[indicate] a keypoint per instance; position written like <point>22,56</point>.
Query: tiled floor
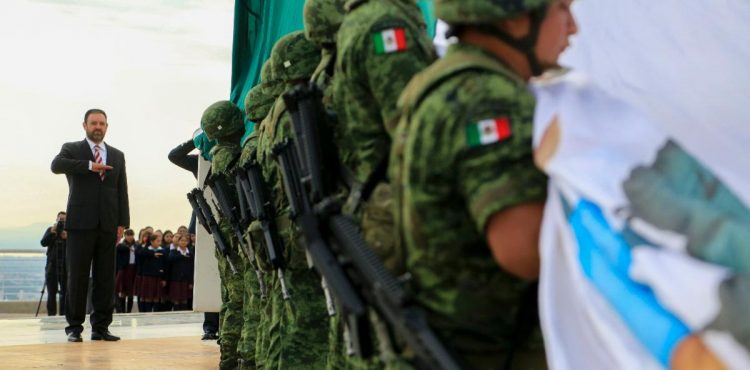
<point>149,341</point>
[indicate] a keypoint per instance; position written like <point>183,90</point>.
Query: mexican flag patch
<point>488,131</point>
<point>390,40</point>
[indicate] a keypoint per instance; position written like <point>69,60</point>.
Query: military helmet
<point>294,57</point>
<point>269,84</point>
<point>322,20</point>
<point>258,103</point>
<point>222,119</point>
<point>483,11</point>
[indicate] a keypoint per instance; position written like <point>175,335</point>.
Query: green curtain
<point>258,24</point>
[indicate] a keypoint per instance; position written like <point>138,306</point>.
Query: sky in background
<point>153,66</point>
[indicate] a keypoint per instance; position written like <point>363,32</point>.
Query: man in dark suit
<point>97,214</point>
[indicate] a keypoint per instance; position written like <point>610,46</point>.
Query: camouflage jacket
<point>223,162</point>
<point>381,44</point>
<point>464,154</point>
<point>273,131</point>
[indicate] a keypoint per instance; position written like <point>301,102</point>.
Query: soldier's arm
<point>389,67</point>
<point>505,192</point>
<point>513,237</point>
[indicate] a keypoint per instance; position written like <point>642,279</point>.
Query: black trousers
<point>211,322</point>
<point>55,277</point>
<point>92,250</point>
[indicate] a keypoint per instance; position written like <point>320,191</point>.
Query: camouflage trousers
<point>264,324</point>
<point>231,320</point>
<point>298,334</point>
<point>251,314</point>
<point>338,350</point>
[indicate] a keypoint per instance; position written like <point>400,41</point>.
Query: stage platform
<point>149,341</point>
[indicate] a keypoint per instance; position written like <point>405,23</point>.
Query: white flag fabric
<point>645,244</point>
<point>642,246</point>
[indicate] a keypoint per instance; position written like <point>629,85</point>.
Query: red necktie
<point>98,158</point>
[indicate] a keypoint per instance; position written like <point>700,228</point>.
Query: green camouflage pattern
<point>222,119</point>
<point>231,315</point>
<point>257,103</point>
<point>448,189</point>
<point>483,11</point>
<point>296,331</point>
<point>239,328</point>
<point>367,84</point>
<point>298,334</point>
<point>322,19</point>
<point>294,57</point>
<point>253,304</point>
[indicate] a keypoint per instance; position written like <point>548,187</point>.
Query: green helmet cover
<point>483,11</point>
<point>322,19</point>
<point>294,57</point>
<point>258,103</point>
<point>222,119</point>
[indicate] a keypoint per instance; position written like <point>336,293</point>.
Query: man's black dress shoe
<point>106,336</point>
<point>75,337</point>
<point>209,336</point>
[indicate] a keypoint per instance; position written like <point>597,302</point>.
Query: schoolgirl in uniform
<point>152,282</point>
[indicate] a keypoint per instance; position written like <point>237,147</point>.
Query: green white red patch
<point>488,131</point>
<point>390,40</point>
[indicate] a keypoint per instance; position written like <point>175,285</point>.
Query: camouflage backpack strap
<point>278,111</point>
<point>451,65</point>
<point>354,4</point>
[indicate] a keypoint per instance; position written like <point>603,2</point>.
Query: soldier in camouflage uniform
<point>322,20</point>
<point>258,103</point>
<point>223,121</point>
<point>467,188</point>
<point>380,46</point>
<point>298,335</point>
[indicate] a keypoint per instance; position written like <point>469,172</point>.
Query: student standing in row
<point>153,259</point>
<point>180,279</point>
<point>126,271</point>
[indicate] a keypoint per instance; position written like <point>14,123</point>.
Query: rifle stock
<point>208,221</point>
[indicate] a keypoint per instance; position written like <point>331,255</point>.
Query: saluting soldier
<point>223,122</point>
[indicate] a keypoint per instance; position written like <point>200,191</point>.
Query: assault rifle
<point>350,267</point>
<point>226,207</point>
<point>206,218</point>
<point>251,182</point>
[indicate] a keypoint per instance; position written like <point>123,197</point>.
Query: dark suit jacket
<point>123,256</point>
<point>92,203</point>
<point>180,267</point>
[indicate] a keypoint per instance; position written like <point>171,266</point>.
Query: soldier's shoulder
<point>371,16</point>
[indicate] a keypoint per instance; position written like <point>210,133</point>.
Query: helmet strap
<point>525,44</point>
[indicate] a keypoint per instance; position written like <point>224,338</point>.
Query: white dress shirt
<point>102,151</point>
